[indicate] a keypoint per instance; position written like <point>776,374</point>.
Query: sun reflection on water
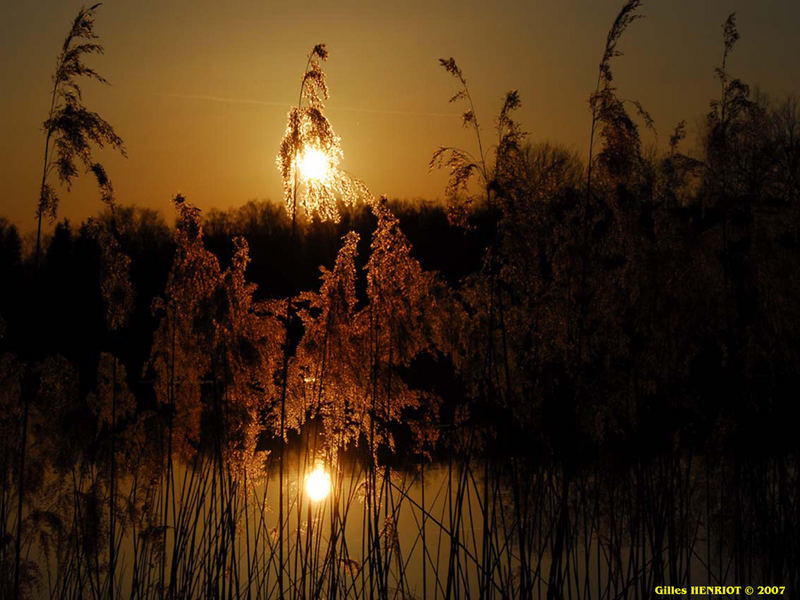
<point>318,484</point>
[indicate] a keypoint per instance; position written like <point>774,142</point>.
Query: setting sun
<point>318,484</point>
<point>314,165</point>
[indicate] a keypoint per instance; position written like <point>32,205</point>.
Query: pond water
<point>458,528</point>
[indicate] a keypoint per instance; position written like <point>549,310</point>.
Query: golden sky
<point>200,89</point>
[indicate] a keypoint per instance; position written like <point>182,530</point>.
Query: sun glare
<point>318,484</point>
<point>314,165</point>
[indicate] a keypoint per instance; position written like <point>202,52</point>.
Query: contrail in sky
<point>287,105</point>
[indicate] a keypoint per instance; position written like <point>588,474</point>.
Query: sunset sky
<point>200,89</point>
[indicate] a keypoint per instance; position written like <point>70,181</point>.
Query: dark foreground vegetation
<point>569,380</point>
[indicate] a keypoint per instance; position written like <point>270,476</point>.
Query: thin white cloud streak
<point>287,105</point>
